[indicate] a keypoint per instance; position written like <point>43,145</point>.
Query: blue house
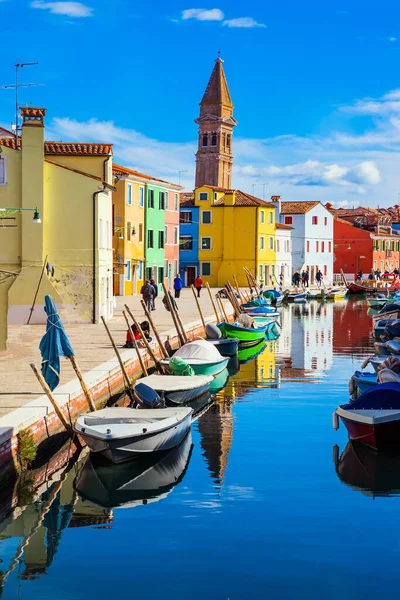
<point>188,239</point>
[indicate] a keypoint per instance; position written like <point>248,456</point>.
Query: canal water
<point>264,500</point>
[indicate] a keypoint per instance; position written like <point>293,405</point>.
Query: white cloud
<point>243,22</point>
<point>387,104</point>
<point>70,9</point>
<point>393,39</point>
<point>202,14</point>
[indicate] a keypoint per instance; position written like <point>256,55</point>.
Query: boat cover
<point>213,332</point>
<point>169,383</point>
<point>385,396</point>
<point>200,350</point>
<point>391,307</point>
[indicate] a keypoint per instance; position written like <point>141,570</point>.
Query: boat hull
<point>357,288</point>
<point>365,381</point>
<point>226,346</point>
<point>247,337</point>
<point>380,437</point>
<point>203,368</point>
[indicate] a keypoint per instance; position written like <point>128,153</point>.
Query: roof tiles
<point>243,199</point>
<point>298,208</point>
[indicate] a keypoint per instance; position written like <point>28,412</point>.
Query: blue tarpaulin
<point>54,343</point>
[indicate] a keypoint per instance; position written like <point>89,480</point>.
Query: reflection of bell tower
<point>214,155</point>
<point>216,429</point>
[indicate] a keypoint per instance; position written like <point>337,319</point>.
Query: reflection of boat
<point>374,418</point>
<point>142,481</point>
<point>178,389</point>
<point>247,354</point>
<point>247,336</point>
<point>219,382</point>
<point>373,473</point>
<point>202,356</point>
<point>121,433</point>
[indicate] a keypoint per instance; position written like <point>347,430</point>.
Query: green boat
<point>247,336</point>
<point>247,354</point>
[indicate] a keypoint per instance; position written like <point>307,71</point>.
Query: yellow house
<point>236,230</point>
<point>67,252</point>
<point>129,230</point>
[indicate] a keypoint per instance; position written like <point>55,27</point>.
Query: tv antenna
<point>16,87</point>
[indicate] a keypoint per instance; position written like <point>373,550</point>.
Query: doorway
<point>190,275</point>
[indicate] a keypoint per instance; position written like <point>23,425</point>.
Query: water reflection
<point>216,436</point>
<point>365,470</point>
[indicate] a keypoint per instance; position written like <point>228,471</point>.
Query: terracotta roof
<point>77,149</point>
<point>243,199</point>
<point>298,208</point>
<point>51,162</point>
<point>283,226</point>
<point>120,170</point>
<point>216,188</point>
<point>8,142</point>
<point>186,200</point>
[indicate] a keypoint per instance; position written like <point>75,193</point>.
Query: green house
<point>156,199</point>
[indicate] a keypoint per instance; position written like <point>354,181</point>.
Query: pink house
<point>171,247</point>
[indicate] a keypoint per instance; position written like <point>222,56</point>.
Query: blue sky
<point>315,86</point>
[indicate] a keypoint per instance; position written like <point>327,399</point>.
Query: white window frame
<point>206,237</point>
<point>262,242</point>
<point>262,217</point>
<point>271,218</point>
<point>203,194</point>
<point>3,161</point>
<point>175,267</point>
<point>165,235</point>
<point>176,236</point>
<point>140,270</point>
<point>202,217</point>
<point>271,245</point>
<point>141,196</point>
<point>186,212</point>
<point>147,241</point>
<point>202,265</point>
<point>129,194</point>
<point>128,270</point>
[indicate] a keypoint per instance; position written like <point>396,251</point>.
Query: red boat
<point>357,288</point>
<point>374,418</point>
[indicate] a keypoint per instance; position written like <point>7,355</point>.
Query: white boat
<point>120,433</point>
<point>178,389</point>
<point>202,356</point>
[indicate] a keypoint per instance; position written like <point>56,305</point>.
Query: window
<point>165,267</point>
<point>325,220</point>
<point>129,194</point>
<point>260,271</point>
<point>214,139</point>
<point>150,238</point>
<point>307,246</point>
<point>203,196</point>
<point>206,269</point>
<point>271,217</point>
<point>398,246</point>
<point>175,235</point>
<point>166,234</point>
<point>186,242</point>
<point>382,265</point>
<point>128,270</point>
<point>228,141</point>
<point>262,217</point>
<point>206,243</point>
<point>329,246</point>
<point>288,220</point>
<point>261,243</point>
<point>315,220</point>
<point>392,246</point>
<point>206,217</point>
<point>161,200</point>
<point>278,245</point>
<point>273,270</point>
<point>205,140</point>
<point>375,267</point>
<point>176,202</point>
<point>161,239</point>
<point>3,171</point>
<point>140,232</point>
<point>322,246</point>
<point>141,197</point>
<point>317,246</point>
<point>383,245</point>
<point>185,216</point>
<point>149,272</point>
<point>271,243</point>
<point>166,208</point>
<point>140,270</point>
<point>160,275</point>
<point>150,201</point>
<point>175,268</point>
<point>325,270</point>
<point>128,231</point>
<point>376,245</point>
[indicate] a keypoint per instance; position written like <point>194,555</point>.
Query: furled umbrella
<point>54,343</point>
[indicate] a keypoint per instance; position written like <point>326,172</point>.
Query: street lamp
<point>36,216</point>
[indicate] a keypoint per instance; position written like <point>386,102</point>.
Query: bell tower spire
<point>214,155</point>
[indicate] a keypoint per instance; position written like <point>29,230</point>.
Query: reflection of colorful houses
<point>312,348</point>
<point>348,338</point>
<point>216,433</point>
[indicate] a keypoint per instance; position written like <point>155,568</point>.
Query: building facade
<point>171,253</point>
<point>284,254</point>
<point>312,238</point>
<point>70,185</point>
<point>189,239</point>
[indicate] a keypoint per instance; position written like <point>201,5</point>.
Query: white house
<point>283,236</point>
<point>312,238</point>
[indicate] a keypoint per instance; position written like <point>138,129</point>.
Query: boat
<point>148,479</point>
<point>120,433</point>
<point>225,346</point>
<point>381,325</point>
<point>247,336</point>
<point>256,302</point>
<point>380,300</point>
<point>201,356</point>
<point>388,311</point>
<point>365,380</point>
<point>373,419</point>
<point>359,288</point>
<point>296,297</point>
<point>176,390</point>
<point>245,355</point>
<point>261,311</point>
<point>335,294</point>
<point>375,474</point>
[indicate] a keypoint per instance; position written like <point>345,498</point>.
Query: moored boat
<point>176,390</point>
<point>201,356</point>
<point>296,297</point>
<point>247,336</point>
<point>365,380</point>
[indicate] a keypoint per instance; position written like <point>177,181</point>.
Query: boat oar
<point>222,309</point>
<point>235,279</point>
<point>50,396</point>
<point>121,362</point>
<point>84,387</point>
<point>145,341</point>
<point>199,309</point>
<point>173,315</point>
<point>134,342</point>
<point>212,302</point>
<point>158,338</point>
<point>236,301</point>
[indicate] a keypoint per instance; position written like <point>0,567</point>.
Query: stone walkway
<point>90,343</point>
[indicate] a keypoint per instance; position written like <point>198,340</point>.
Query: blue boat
<point>302,297</point>
<point>365,380</point>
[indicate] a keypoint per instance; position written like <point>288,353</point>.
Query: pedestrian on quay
<point>378,274</point>
<point>318,278</point>
<point>147,292</point>
<point>303,278</point>
<point>155,289</point>
<point>359,275</point>
<point>178,285</point>
<point>306,278</point>
<point>198,284</point>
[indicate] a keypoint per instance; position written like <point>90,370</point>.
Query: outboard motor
<point>146,397</point>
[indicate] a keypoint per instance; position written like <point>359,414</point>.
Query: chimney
<point>229,198</point>
<point>32,183</point>
<point>277,201</point>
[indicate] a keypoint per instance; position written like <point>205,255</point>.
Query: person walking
<point>147,292</point>
<point>306,278</point>
<point>296,279</point>
<point>155,289</point>
<point>178,285</point>
<point>318,278</point>
<point>198,284</point>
